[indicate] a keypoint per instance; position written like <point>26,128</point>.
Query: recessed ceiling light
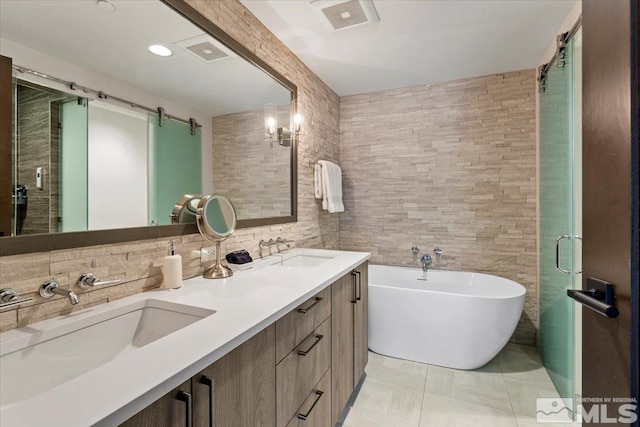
<point>345,15</point>
<point>106,5</point>
<point>158,49</point>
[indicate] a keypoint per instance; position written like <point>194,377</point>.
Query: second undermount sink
<point>303,261</point>
<point>55,355</point>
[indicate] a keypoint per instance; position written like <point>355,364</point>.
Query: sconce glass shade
<point>270,121</point>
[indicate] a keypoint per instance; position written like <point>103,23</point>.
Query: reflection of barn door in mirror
<point>6,91</point>
<point>175,166</point>
<point>73,166</point>
<point>117,174</point>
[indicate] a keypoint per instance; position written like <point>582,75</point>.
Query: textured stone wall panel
<point>451,165</point>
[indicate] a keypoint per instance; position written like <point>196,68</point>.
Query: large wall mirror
<point>107,136</point>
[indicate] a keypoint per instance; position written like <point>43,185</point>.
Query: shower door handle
<point>558,239</point>
<point>560,269</point>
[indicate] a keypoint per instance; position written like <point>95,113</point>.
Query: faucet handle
<point>89,280</point>
<point>438,251</point>
<point>415,249</point>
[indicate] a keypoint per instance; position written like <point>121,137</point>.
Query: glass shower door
<point>557,224</point>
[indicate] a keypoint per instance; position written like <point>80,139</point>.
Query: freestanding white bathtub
<point>453,319</point>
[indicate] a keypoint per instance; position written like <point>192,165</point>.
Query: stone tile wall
<point>260,184</point>
<point>451,165</point>
<point>138,263</point>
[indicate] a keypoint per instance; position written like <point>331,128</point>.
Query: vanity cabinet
<point>235,391</point>
<point>316,409</point>
<point>361,322</point>
<point>349,347</point>
<point>298,372</point>
<point>171,410</point>
<point>243,381</point>
<point>304,341</point>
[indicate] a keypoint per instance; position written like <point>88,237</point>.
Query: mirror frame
<point>14,245</point>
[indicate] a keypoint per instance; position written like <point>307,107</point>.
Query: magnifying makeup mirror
<point>216,219</point>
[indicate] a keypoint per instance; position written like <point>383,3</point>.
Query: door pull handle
<point>599,297</point>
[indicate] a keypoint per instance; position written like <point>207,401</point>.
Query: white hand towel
<point>317,181</point>
<point>332,187</point>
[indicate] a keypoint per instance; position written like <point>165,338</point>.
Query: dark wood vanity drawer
<point>300,371</point>
<point>316,409</point>
<point>298,324</point>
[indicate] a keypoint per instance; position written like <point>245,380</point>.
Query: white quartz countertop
<point>245,304</point>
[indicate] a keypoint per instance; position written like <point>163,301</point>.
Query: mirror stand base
<point>218,271</point>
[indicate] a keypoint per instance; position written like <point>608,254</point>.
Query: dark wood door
<point>609,163</point>
<point>6,102</point>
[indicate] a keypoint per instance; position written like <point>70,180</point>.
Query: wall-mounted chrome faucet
<point>51,288</point>
<point>426,261</point>
<point>280,240</point>
<point>264,244</point>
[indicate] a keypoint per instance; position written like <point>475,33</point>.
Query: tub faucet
<point>426,261</point>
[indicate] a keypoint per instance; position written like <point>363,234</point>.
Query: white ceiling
<point>416,41</point>
<point>115,44</point>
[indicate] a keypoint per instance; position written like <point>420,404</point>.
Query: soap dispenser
<point>172,269</point>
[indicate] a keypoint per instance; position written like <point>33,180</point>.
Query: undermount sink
<point>303,261</point>
<point>62,353</point>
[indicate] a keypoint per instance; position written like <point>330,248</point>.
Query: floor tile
<point>384,404</point>
<point>440,411</point>
<point>484,386</point>
<point>523,395</point>
<point>502,393</point>
<point>397,371</point>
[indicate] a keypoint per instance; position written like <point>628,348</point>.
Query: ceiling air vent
<point>205,48</point>
<point>342,14</point>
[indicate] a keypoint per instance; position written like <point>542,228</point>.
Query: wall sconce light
<point>284,136</point>
<point>297,120</point>
<point>294,134</point>
<point>270,122</point>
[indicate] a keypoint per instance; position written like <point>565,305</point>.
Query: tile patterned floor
<point>399,393</point>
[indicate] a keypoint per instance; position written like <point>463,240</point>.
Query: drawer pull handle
<point>305,309</point>
<point>207,381</point>
<point>359,293</point>
<point>186,398</point>
<point>355,291</point>
<point>318,338</point>
<point>303,417</point>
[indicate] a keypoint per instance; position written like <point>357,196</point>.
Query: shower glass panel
<point>558,236</point>
<point>175,166</point>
